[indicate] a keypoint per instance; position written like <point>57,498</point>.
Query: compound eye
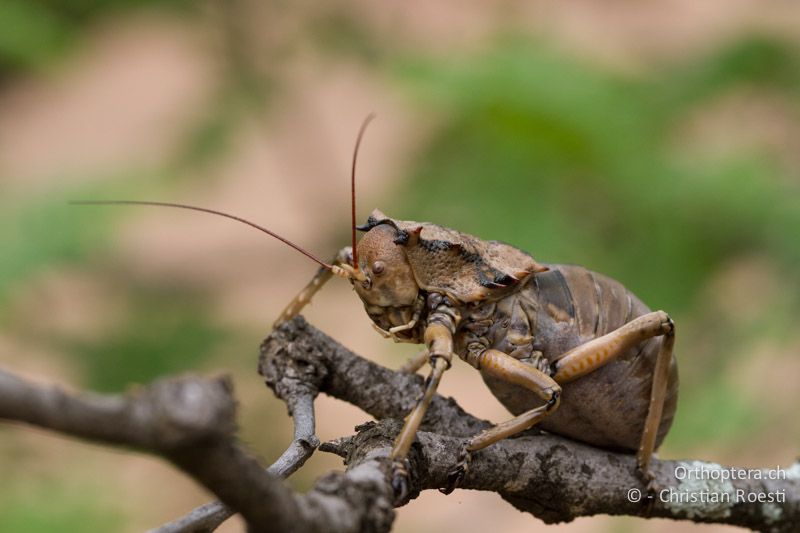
<point>378,267</point>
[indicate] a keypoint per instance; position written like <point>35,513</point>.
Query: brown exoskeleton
<point>560,346</point>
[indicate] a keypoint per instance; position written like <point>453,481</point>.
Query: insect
<point>564,348</point>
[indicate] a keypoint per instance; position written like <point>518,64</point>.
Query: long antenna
<point>213,212</point>
<point>353,186</point>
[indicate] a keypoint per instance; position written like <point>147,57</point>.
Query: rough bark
<point>553,478</point>
<point>190,421</point>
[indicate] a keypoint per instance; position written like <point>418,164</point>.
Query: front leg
<point>441,326</point>
<point>303,298</point>
<point>589,356</point>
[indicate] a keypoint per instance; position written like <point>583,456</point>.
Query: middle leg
<point>511,370</point>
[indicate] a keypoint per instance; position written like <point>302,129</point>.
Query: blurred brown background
<point>655,142</point>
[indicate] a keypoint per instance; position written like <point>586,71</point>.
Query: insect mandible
<point>560,346</point>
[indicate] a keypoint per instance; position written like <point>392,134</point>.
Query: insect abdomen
<point>608,406</point>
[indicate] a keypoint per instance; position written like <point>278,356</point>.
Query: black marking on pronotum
<point>436,245</point>
<point>489,283</point>
<point>370,223</point>
<point>504,279</point>
<point>402,237</point>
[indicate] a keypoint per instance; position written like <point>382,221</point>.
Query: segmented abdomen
<point>566,307</point>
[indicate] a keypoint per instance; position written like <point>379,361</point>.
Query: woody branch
<point>553,478</point>
<point>190,422</point>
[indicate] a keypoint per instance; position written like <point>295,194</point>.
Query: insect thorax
<point>508,325</point>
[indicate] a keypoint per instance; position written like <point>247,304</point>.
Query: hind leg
<point>657,396</point>
<point>575,364</point>
<point>589,356</point>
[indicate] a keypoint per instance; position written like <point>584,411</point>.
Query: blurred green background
<point>656,144</point>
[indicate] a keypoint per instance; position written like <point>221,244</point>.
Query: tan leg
<point>303,298</point>
<point>593,354</point>
<point>657,395</point>
<point>587,357</point>
<point>415,363</point>
<point>439,339</point>
<point>574,364</point>
<point>406,437</point>
<point>507,368</point>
